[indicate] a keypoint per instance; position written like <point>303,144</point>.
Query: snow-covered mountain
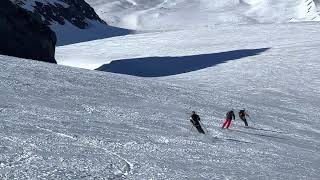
<point>72,21</point>
<point>58,122</point>
<point>180,14</point>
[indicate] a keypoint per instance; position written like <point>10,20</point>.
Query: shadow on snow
<point>166,66</point>
<point>66,36</point>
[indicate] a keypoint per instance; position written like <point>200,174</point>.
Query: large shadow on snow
<point>67,36</point>
<point>166,66</point>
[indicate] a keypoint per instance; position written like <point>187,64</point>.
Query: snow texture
<point>58,122</point>
<point>181,14</point>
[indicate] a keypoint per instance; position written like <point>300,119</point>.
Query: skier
<point>195,120</point>
<point>229,116</point>
<point>242,115</point>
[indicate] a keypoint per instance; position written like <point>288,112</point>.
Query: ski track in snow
<point>57,133</point>
<point>125,170</point>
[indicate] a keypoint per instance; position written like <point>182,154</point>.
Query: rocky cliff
<point>24,35</point>
<point>73,21</point>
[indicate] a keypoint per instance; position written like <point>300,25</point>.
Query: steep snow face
<point>177,14</point>
<point>59,122</point>
<point>72,21</point>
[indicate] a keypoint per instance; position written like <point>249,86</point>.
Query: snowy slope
<point>181,14</point>
<point>289,38</point>
<point>60,122</point>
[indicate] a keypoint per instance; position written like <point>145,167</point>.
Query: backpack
<point>242,113</point>
<point>194,119</point>
<point>229,114</point>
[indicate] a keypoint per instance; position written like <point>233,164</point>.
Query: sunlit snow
<point>60,122</point>
<point>131,119</point>
<point>181,14</point>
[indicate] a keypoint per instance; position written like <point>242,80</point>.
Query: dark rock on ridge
<point>24,35</point>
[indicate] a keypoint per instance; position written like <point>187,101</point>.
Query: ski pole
<point>251,121</point>
<point>191,129</point>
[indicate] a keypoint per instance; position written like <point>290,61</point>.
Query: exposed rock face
<point>73,21</point>
<point>74,11</point>
<point>24,35</point>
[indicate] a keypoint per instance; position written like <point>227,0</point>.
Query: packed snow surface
<point>58,122</point>
<point>179,14</point>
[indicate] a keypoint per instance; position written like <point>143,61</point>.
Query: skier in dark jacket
<point>242,115</point>
<point>229,116</point>
<point>195,120</point>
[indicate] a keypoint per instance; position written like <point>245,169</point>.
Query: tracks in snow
<point>124,169</point>
<point>57,133</point>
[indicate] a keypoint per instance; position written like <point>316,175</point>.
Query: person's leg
<point>224,123</point>
<point>245,122</point>
<point>229,123</point>
<point>200,130</point>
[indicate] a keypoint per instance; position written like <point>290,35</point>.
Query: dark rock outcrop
<point>74,11</point>
<point>24,35</point>
<point>73,21</point>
